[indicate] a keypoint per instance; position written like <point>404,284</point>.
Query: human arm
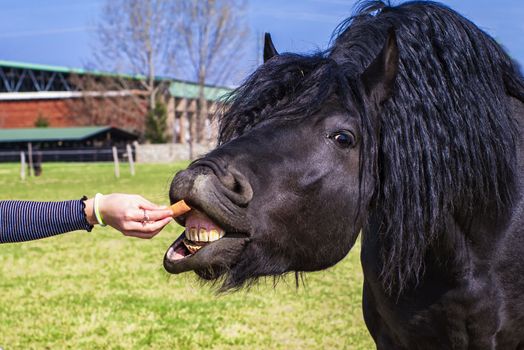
<point>29,220</point>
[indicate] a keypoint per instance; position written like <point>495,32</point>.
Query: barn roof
<point>190,90</point>
<point>177,87</point>
<point>59,134</point>
<point>63,69</point>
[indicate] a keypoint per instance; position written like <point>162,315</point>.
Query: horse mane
<point>446,148</point>
<point>447,144</point>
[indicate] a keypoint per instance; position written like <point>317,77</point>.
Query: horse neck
<point>470,242</point>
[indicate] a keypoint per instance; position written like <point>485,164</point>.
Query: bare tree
<point>135,38</point>
<point>211,35</point>
<point>104,101</point>
<point>143,38</point>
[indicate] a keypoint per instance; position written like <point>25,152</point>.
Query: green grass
<point>101,290</point>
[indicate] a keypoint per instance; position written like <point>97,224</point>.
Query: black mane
<point>446,147</point>
<point>447,143</point>
<point>289,86</point>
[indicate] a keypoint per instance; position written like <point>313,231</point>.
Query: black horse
<point>408,128</point>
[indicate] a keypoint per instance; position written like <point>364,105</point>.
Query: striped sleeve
<point>28,220</point>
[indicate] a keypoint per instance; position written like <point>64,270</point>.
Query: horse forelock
<point>446,148</point>
<point>290,87</point>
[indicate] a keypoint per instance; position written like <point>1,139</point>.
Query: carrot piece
<point>180,208</point>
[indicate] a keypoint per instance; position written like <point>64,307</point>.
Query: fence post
<point>131,160</point>
<point>30,156</point>
<point>115,159</point>
<point>22,166</point>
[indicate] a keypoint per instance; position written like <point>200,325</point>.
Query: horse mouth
<point>204,247</point>
<point>200,231</point>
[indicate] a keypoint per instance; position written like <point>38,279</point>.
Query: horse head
<point>288,186</point>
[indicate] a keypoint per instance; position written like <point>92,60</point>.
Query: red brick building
<point>31,94</point>
<point>25,113</point>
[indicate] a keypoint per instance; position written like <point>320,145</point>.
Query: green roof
<point>177,88</point>
<point>190,90</point>
<point>50,134</point>
<point>62,69</point>
<point>45,67</point>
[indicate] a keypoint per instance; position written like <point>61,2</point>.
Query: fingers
<point>137,215</point>
<point>148,230</point>
<point>159,214</point>
<point>126,213</point>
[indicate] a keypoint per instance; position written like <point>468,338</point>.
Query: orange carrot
<point>180,208</point>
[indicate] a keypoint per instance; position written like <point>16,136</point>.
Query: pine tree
<point>156,123</point>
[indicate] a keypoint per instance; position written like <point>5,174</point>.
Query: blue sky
<point>58,32</point>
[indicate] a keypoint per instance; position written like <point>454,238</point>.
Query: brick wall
<point>67,112</point>
<point>23,114</point>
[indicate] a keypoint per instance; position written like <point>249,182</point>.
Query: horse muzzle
<point>217,227</point>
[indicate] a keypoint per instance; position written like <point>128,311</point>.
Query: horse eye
<point>343,139</point>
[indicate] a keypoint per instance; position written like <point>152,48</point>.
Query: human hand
<point>130,214</point>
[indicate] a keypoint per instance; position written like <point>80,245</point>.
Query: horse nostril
<point>229,181</point>
<point>235,185</point>
<point>238,184</point>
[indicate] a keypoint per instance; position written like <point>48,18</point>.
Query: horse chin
<point>211,261</point>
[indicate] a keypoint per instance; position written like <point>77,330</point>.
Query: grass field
<point>101,290</point>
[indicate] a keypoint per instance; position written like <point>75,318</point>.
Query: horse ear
<point>269,48</point>
<point>379,76</point>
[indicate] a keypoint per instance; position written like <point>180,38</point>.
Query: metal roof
<point>53,134</point>
<point>190,90</point>
<point>63,69</point>
<point>22,65</point>
<point>177,88</point>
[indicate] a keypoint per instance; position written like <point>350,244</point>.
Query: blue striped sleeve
<point>28,220</point>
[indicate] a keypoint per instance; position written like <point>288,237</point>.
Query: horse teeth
<point>219,234</point>
<point>193,236</point>
<point>202,235</point>
<point>199,228</point>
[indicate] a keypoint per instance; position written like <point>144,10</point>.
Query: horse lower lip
<point>217,255</point>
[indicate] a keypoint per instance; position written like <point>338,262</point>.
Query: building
<point>92,143</point>
<point>34,94</point>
